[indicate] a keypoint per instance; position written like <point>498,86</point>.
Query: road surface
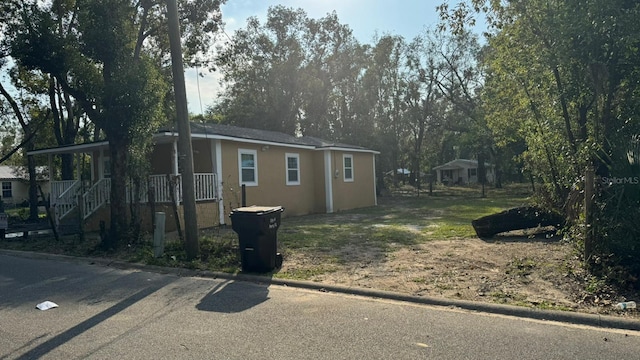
<point>108,313</point>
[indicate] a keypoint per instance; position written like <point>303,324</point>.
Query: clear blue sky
<point>403,17</point>
<point>407,18</point>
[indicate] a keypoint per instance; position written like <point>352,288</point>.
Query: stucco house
<point>462,172</point>
<point>15,184</point>
<point>303,174</point>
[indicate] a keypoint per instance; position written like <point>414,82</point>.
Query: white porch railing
<point>99,193</point>
<point>205,185</point>
<point>95,197</point>
<point>59,187</point>
<point>66,201</point>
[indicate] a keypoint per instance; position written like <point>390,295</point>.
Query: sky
<point>366,18</point>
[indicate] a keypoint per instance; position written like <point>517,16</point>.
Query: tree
<point>561,75</point>
<point>292,74</point>
<point>384,93</point>
<point>112,59</point>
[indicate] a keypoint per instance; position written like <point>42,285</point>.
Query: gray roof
<point>262,135</point>
<point>8,172</point>
<point>227,131</point>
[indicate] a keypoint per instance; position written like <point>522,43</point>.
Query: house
<point>303,174</point>
<point>462,172</point>
<point>15,184</point>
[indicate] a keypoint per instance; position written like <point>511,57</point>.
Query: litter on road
<point>46,305</point>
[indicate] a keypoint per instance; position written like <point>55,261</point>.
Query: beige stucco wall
<point>361,191</point>
<point>202,156</point>
<point>272,189</point>
<point>207,213</point>
<point>162,159</point>
<point>319,193</point>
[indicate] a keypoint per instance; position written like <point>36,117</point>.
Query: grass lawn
<point>404,220</point>
<point>396,221</point>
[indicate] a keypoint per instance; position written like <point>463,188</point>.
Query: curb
<point>603,321</point>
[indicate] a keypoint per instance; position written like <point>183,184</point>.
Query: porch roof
<point>72,149</point>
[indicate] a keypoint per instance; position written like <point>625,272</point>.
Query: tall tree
<point>563,74</point>
<point>112,59</point>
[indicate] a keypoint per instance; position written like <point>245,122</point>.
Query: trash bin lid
<point>257,210</point>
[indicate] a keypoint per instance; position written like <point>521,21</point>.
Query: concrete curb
<point>604,321</point>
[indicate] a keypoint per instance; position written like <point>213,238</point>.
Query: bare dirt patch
<point>518,270</point>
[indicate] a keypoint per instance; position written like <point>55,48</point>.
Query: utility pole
<point>184,135</point>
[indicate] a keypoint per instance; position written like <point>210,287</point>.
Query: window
<point>293,169</point>
<point>347,161</point>
<point>6,189</point>
<point>248,167</point>
<point>473,172</point>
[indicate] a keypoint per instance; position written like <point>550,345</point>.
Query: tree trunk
<point>482,172</point>
<point>67,166</point>
<point>515,219</point>
<point>33,187</point>
<point>119,218</point>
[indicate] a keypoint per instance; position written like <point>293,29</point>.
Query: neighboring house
<point>15,184</point>
<point>462,172</point>
<point>303,174</point>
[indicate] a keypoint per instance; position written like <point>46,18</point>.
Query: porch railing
<point>66,201</point>
<point>205,186</point>
<point>96,196</point>
<point>59,187</point>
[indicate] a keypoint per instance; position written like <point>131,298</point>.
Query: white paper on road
<point>46,305</point>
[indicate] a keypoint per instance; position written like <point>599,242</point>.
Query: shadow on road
<point>234,297</point>
<point>95,320</point>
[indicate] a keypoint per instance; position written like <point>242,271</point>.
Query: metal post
<point>158,234</point>
<point>589,189</point>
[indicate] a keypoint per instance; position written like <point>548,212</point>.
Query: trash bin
<point>257,229</point>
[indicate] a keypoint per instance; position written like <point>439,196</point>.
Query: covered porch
<point>89,191</point>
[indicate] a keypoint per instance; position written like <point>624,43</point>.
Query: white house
<point>15,184</point>
<point>462,172</point>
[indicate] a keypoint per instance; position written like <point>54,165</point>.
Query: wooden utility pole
<point>184,134</point>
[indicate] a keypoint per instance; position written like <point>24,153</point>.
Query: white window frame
<point>344,168</point>
<point>287,156</point>
<point>8,189</point>
<point>254,153</point>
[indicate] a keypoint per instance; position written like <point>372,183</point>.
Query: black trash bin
<point>257,229</point>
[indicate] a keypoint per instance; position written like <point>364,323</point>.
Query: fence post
<point>158,234</point>
<point>152,204</point>
<point>589,189</point>
<point>81,210</point>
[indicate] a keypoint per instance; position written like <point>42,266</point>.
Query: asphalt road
<point>108,313</point>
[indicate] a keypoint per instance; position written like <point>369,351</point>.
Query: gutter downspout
<point>375,183</point>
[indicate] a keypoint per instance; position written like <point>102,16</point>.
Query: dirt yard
<point>519,270</point>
